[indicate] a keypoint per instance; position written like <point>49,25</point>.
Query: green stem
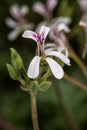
<point>74,81</point>
<point>67,114</point>
<point>79,62</point>
<point>74,56</point>
<point>34,111</point>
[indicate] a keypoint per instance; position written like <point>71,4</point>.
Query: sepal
<point>44,86</point>
<point>16,59</point>
<point>15,75</point>
<point>34,86</point>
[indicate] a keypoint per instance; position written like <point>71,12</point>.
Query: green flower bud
<point>34,86</point>
<point>13,72</point>
<point>45,85</point>
<point>16,59</point>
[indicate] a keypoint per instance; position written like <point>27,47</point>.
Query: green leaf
<point>13,72</point>
<point>45,85</point>
<point>16,59</point>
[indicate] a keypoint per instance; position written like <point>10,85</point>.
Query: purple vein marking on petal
<point>36,37</point>
<point>42,37</point>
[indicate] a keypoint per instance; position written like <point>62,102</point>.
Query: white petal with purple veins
<point>44,32</point>
<point>60,56</point>
<point>31,35</point>
<point>33,70</point>
<point>55,68</point>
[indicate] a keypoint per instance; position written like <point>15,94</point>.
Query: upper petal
<point>44,32</point>
<point>63,27</point>
<point>11,23</point>
<point>51,4</point>
<point>60,56</point>
<point>14,10</point>
<point>31,35</point>
<point>13,34</point>
<point>55,68</point>
<point>24,9</point>
<point>39,8</point>
<point>33,70</point>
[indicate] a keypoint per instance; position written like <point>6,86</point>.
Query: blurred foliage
<point>14,103</point>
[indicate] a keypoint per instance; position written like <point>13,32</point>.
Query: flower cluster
<point>50,57</point>
<point>19,24</point>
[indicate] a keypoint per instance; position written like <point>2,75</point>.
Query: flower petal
<point>24,9</point>
<point>50,45</point>
<point>39,8</point>
<point>13,34</point>
<point>62,19</point>
<point>31,35</point>
<point>51,4</point>
<point>62,48</point>
<point>60,56</point>
<point>83,5</point>
<point>11,23</point>
<point>55,68</point>
<point>33,70</point>
<point>49,49</point>
<point>63,27</point>
<point>44,32</point>
<point>14,10</point>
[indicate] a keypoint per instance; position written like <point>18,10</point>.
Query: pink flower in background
<point>58,29</point>
<point>83,22</point>
<point>19,24</point>
<point>45,10</point>
<point>83,5</point>
<point>33,69</point>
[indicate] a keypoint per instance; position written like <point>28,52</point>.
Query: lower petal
<point>33,70</point>
<point>55,68</point>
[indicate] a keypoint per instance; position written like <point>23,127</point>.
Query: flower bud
<point>35,86</point>
<point>45,85</point>
<point>16,59</point>
<point>13,72</point>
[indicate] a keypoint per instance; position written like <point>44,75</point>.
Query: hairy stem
<point>34,111</point>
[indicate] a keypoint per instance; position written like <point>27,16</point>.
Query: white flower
<point>34,67</point>
<point>19,24</point>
